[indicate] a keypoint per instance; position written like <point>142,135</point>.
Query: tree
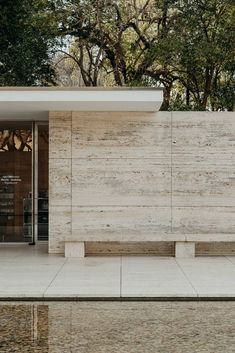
<point>121,32</point>
<point>24,43</point>
<point>82,65</point>
<point>186,46</point>
<point>204,52</point>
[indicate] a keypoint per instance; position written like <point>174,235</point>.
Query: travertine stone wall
<point>118,173</point>
<point>60,172</point>
<point>121,175</point>
<point>203,173</point>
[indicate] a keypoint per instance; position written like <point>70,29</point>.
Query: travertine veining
<point>122,135</point>
<point>60,182</point>
<point>128,174</point>
<point>203,138</point>
<point>120,182</point>
<point>197,185</point>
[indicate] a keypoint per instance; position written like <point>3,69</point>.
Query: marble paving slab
<point>88,277</point>
<point>154,277</point>
<point>29,272</point>
<point>210,276</point>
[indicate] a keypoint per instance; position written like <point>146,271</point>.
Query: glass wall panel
<point>16,181</point>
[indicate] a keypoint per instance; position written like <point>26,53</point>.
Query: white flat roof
<point>34,103</point>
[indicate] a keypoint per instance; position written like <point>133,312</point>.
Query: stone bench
<point>184,243</point>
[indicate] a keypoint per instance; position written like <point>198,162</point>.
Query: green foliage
<point>186,46</point>
<point>24,42</point>
<point>204,48</point>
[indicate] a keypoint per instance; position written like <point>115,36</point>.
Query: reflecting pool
<point>117,327</point>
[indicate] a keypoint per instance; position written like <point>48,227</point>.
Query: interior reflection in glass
<point>15,140</point>
<point>15,181</point>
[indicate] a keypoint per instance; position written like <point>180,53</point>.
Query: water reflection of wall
<point>24,328</point>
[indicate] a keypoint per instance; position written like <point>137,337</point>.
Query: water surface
<point>117,327</point>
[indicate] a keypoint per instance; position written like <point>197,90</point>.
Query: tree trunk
<point>166,97</point>
<point>207,88</point>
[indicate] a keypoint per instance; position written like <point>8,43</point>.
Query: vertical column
<point>59,180</point>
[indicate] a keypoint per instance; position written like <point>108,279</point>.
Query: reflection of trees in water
<point>15,140</point>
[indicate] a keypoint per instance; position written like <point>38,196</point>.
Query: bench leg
<point>75,249</point>
<point>184,249</point>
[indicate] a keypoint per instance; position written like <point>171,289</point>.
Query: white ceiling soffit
<point>35,103</point>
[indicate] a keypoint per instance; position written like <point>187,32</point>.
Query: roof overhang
<point>35,103</point>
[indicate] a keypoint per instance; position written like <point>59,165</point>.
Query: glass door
<point>24,151</point>
<point>16,156</point>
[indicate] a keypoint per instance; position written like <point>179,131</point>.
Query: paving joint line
<point>53,279</point>
<point>171,148</point>
<point>120,294</point>
<point>212,298</point>
<point>227,257</point>
<point>187,278</point>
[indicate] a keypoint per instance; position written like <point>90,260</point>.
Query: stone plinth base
<point>184,250</point>
<point>74,249</point>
